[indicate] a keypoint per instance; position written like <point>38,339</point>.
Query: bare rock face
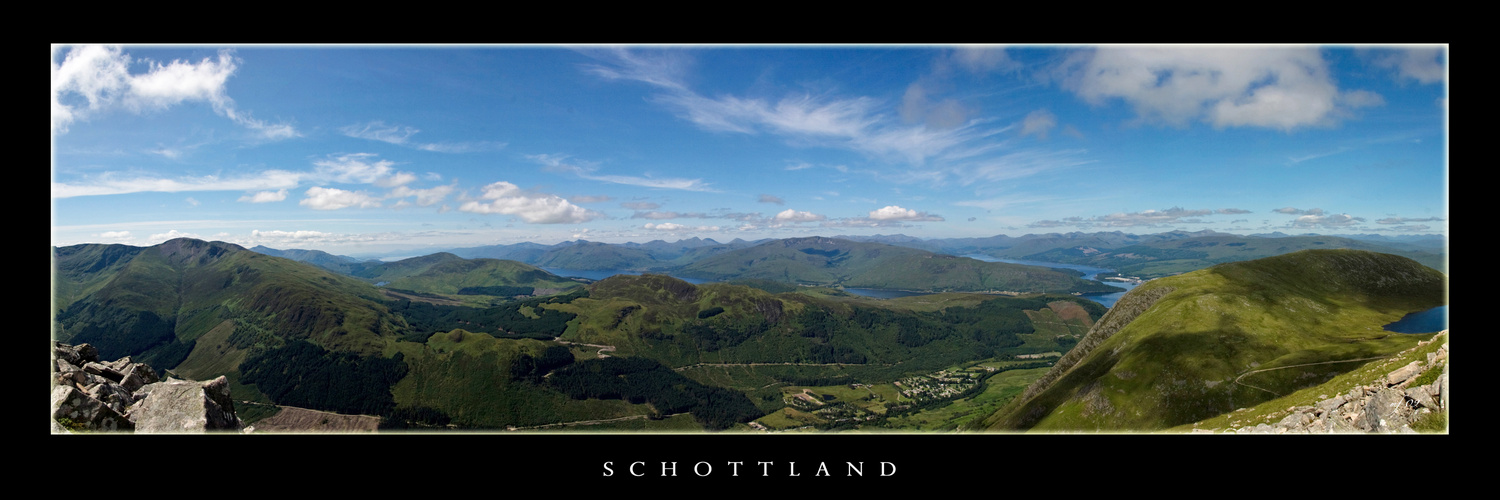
<point>102,396</point>
<point>178,406</point>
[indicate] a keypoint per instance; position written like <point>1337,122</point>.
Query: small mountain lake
<point>1431,320</point>
<point>1107,299</point>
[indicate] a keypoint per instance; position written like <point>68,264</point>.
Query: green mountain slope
<point>157,302</point>
<point>836,262</point>
<point>1181,349</point>
<point>445,273</point>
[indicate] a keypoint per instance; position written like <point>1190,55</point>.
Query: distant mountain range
<point>1146,256</point>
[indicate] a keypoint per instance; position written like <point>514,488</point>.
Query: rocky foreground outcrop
<point>1386,405</point>
<point>121,395</point>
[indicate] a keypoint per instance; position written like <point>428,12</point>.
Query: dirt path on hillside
<point>602,348</point>
<point>1252,372</point>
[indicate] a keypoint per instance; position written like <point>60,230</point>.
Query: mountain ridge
<point>1170,351</point>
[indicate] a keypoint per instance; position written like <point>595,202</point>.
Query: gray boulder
<point>182,406</point>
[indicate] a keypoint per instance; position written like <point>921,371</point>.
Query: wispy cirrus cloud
<point>937,136</point>
<point>401,136</point>
<point>110,183</point>
<point>94,79</point>
<point>561,163</point>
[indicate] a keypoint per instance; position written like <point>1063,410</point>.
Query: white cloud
<point>675,227</point>
<point>1423,64</point>
<point>100,75</point>
<point>115,236</point>
<point>1327,221</point>
<point>640,205</point>
<point>264,196</point>
<point>321,198</point>
<point>766,198</point>
<point>425,197</point>
<point>354,168</point>
<point>895,213</point>
<point>1275,87</point>
<point>790,215</point>
<point>1038,123</point>
<point>982,59</point>
<point>170,235</point>
<point>590,199</point>
<point>506,198</point>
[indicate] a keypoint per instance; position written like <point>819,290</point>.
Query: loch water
<point>1431,320</point>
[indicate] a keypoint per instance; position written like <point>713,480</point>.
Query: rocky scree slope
<point>91,395</point>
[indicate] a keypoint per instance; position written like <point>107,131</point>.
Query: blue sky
<point>362,150</point>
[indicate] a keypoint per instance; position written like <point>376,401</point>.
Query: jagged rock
<point>1404,373</point>
<point>181,406</point>
<point>77,355</point>
<point>103,370</point>
<point>1385,410</point>
<point>71,404</point>
<point>1296,421</point>
<point>1421,396</point>
<point>116,395</point>
<point>1328,405</point>
<point>111,394</point>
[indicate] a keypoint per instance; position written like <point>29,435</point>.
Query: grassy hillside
<point>748,338</point>
<point>835,262</point>
<point>455,277</point>
<point>167,296</point>
<point>1172,350</point>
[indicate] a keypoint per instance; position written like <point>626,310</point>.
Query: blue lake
<point>1108,299</point>
<point>1431,320</point>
